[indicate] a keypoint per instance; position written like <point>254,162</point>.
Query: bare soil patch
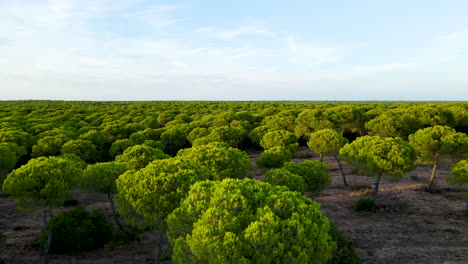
<point>410,225</point>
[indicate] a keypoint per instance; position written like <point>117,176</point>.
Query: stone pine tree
<point>380,156</point>
<point>460,176</point>
<point>101,177</point>
<point>148,195</point>
<point>436,143</point>
<point>328,141</point>
<point>137,157</point>
<point>222,160</point>
<point>43,183</point>
<point>248,221</point>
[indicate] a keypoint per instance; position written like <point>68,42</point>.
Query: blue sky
<point>233,50</point>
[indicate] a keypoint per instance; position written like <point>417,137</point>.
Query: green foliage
<point>374,155</point>
<point>174,139</point>
<point>137,157</point>
<point>326,141</point>
<point>222,160</point>
<point>84,149</point>
<point>364,204</point>
<point>248,221</point>
<point>438,141</point>
<point>226,134</point>
<point>286,178</point>
<point>197,133</point>
<point>257,133</point>
<point>280,138</point>
<point>273,158</point>
<point>119,146</point>
<point>147,196</point>
<point>49,146</point>
<point>96,137</point>
<point>344,253</point>
<point>154,144</point>
<point>43,182</point>
<point>101,177</point>
<point>78,230</point>
<point>459,173</point>
<point>311,120</point>
<point>315,174</point>
<point>8,158</point>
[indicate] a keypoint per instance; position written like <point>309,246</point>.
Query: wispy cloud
<point>230,34</point>
<point>315,54</point>
<point>159,16</point>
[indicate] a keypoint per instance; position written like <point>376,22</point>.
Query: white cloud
<point>231,34</point>
<point>159,16</point>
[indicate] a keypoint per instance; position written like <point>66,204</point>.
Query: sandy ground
<point>410,226</point>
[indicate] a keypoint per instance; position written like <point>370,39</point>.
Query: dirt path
<point>411,225</point>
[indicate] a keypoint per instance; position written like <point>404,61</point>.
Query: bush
<point>364,204</point>
<point>315,174</point>
<point>78,230</point>
<point>274,158</point>
<point>344,252</point>
<point>283,177</point>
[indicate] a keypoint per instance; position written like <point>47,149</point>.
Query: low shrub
<point>283,177</point>
<point>344,253</point>
<point>274,158</point>
<point>78,230</point>
<point>364,204</point>
<point>316,174</point>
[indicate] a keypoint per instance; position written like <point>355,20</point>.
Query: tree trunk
<point>49,237</point>
<point>376,188</point>
<point>158,248</point>
<point>321,157</point>
<point>434,169</point>
<point>114,213</point>
<point>341,169</point>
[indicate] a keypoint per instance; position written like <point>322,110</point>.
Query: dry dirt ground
<point>410,226</point>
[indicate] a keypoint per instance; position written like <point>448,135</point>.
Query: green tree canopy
<point>137,157</point>
<point>84,149</point>
<point>248,221</point>
<point>147,196</point>
<point>286,178</point>
<point>315,174</point>
<point>280,138</point>
<point>273,158</point>
<point>377,156</point>
<point>101,177</point>
<point>328,141</point>
<point>437,142</point>
<point>49,146</point>
<point>222,160</point>
<point>43,183</point>
<point>257,133</point>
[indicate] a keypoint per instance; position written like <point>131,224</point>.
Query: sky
<point>135,50</point>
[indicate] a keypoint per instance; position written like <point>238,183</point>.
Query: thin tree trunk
<point>341,169</point>
<point>158,248</point>
<point>376,188</point>
<point>49,237</point>
<point>321,157</point>
<point>114,213</point>
<point>434,169</point>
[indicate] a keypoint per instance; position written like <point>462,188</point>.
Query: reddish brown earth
<point>410,226</point>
